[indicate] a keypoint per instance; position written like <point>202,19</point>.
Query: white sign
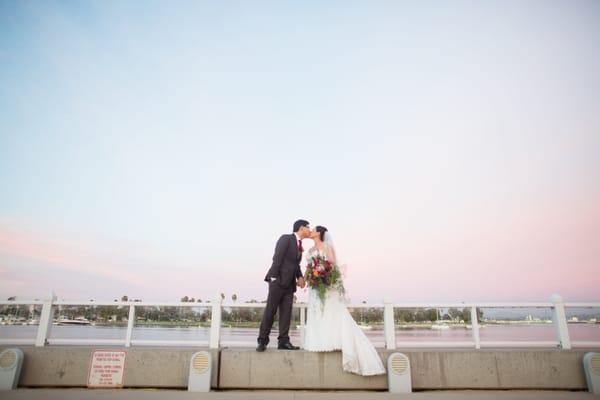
<point>106,368</point>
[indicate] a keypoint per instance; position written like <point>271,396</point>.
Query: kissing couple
<point>329,324</point>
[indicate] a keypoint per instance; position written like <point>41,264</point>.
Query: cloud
<point>79,266</point>
<point>60,254</point>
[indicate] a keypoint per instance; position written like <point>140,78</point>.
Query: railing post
<point>475,327</point>
<point>130,325</point>
<point>559,318</point>
<point>46,320</point>
<point>389,324</point>
<point>215,323</point>
<point>302,324</point>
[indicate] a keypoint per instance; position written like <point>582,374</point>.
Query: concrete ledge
<point>498,369</point>
<point>431,369</point>
<point>157,367</point>
<point>285,369</point>
<point>168,367</point>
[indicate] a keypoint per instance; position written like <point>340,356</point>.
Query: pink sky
<point>452,151</point>
<point>528,255</point>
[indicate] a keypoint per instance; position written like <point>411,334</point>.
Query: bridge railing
<point>557,305</point>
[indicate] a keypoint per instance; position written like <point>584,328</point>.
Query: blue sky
<point>159,149</point>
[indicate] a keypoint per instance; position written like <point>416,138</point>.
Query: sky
<point>159,149</point>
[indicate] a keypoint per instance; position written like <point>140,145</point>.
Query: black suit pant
<point>282,299</point>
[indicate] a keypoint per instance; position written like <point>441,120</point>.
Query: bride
<point>330,326</point>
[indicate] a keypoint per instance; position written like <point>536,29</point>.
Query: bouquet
<point>322,275</point>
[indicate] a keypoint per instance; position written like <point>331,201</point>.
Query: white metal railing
<point>557,305</point>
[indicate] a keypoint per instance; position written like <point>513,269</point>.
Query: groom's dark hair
<point>299,224</point>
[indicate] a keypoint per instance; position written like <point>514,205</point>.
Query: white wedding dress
<point>330,327</point>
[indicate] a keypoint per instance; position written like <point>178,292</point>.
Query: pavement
<point>156,394</point>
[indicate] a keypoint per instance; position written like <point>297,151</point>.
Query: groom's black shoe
<point>261,347</point>
<point>287,346</point>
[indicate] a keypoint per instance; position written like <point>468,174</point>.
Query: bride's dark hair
<point>321,230</point>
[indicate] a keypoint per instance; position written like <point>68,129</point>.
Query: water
<point>520,332</point>
<point>193,333</point>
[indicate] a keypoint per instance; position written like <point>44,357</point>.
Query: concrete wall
<point>163,367</point>
<point>432,369</point>
<point>159,367</point>
<point>498,369</point>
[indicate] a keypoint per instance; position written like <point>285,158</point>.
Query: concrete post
<point>475,327</point>
<point>215,322</point>
<point>130,325</point>
<point>46,320</point>
<point>388,324</point>
<point>559,318</point>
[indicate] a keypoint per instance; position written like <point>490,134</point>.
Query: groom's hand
<point>301,282</point>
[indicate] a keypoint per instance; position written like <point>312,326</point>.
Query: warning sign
<point>106,368</point>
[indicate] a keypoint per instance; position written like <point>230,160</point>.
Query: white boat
<point>76,321</point>
<point>439,325</point>
<point>365,327</point>
<point>469,326</point>
<point>15,321</point>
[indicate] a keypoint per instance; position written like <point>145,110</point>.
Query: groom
<point>282,284</point>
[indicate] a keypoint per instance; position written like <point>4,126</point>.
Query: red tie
<point>300,246</point>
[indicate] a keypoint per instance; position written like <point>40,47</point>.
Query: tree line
<point>229,315</point>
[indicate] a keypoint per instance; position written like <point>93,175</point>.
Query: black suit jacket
<point>286,262</point>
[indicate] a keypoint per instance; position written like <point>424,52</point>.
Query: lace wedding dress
<point>330,327</point>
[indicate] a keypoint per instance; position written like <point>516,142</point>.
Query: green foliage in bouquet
<point>322,275</point>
